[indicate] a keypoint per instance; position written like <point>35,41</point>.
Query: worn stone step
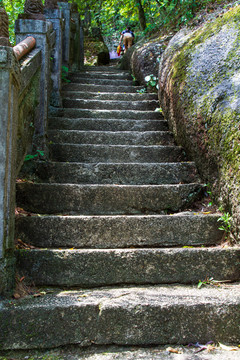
<point>101,88</point>
<point>115,153</point>
<point>112,173</point>
<point>104,267</point>
<point>109,96</point>
<point>111,137</point>
<point>108,114</point>
<point>107,124</point>
<point>123,316</point>
<point>105,199</point>
<point>105,69</point>
<point>119,231</point>
<point>101,75</point>
<point>123,352</point>
<point>111,104</point>
<point>97,81</point>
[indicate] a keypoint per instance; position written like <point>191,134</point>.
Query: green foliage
<point>226,223</point>
<point>112,16</point>
<point>39,153</point>
<point>207,281</point>
<point>209,194</point>
<point>13,8</point>
<point>151,81</point>
<point>142,91</point>
<point>64,74</point>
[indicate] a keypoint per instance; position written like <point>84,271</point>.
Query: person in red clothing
<point>127,36</point>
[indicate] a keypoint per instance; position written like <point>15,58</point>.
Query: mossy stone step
<point>174,314</point>
<point>111,137</point>
<point>115,153</point>
<point>101,88</point>
<point>105,199</point>
<point>108,114</point>
<point>107,124</point>
<point>104,267</point>
<point>109,96</point>
<point>97,81</point>
<point>111,104</point>
<point>100,75</point>
<point>112,173</point>
<point>119,231</point>
<point>105,69</point>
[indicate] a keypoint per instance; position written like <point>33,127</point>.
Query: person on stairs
<point>127,36</point>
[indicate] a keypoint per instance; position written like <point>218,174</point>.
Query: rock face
<point>146,57</point>
<point>199,91</point>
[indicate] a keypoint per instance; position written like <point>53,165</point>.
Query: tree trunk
<point>141,15</point>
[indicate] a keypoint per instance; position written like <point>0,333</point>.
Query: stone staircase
<point>116,247</point>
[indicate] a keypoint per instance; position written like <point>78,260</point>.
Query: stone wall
<point>26,89</point>
<point>28,103</point>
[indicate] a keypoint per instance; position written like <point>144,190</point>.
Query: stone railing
<point>30,82</point>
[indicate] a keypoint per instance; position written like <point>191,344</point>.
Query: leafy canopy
<point>112,16</point>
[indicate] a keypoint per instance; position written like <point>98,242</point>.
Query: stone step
<point>105,69</point>
<point>97,81</point>
<point>109,96</point>
<point>105,199</point>
<point>112,173</point>
<point>115,153</point>
<point>106,114</point>
<point>123,352</point>
<point>120,231</point>
<point>107,124</point>
<point>100,75</point>
<point>122,316</point>
<point>101,88</point>
<point>111,104</point>
<point>107,267</point>
<point>111,137</point>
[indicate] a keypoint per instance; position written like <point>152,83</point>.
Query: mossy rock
<point>199,90</point>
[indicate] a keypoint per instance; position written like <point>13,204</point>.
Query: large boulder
<point>199,91</point>
<point>143,58</point>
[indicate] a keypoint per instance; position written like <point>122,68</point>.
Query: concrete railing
<point>30,82</point>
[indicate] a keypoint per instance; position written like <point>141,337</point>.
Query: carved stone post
<point>4,33</point>
<point>9,89</point>
<point>66,9</point>
<point>33,23</point>
<point>81,47</point>
<point>75,64</point>
<point>54,14</point>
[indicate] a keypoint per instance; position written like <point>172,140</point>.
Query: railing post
<point>75,38</point>
<point>35,24</point>
<point>9,89</point>
<point>54,14</point>
<point>81,47</point>
<point>66,10</point>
